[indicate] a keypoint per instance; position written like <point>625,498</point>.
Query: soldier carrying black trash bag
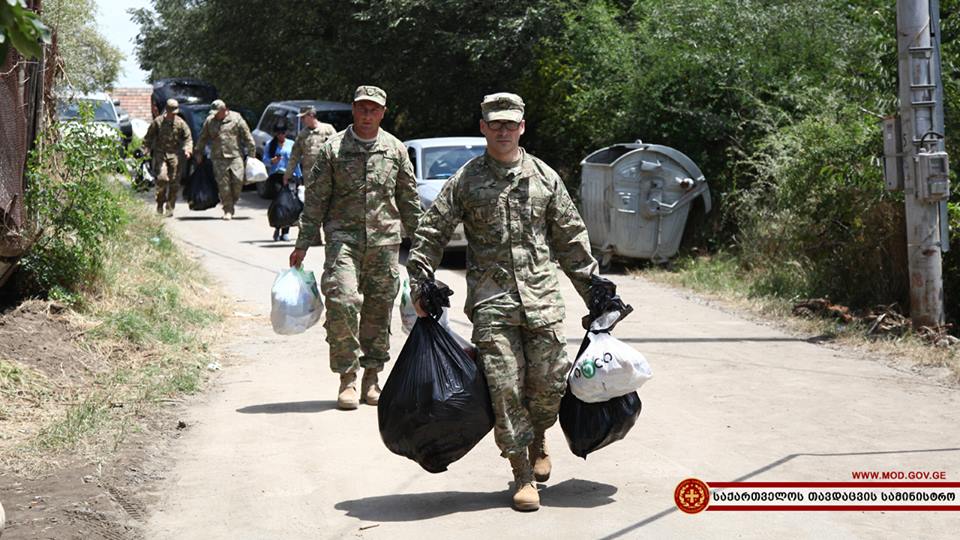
<point>435,406</point>
<point>516,214</point>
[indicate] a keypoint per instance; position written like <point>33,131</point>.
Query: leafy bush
<point>72,201</point>
<point>817,220</point>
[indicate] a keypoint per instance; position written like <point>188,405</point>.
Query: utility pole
<point>915,156</point>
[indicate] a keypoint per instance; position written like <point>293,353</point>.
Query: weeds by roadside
<point>138,339</point>
<point>721,279</point>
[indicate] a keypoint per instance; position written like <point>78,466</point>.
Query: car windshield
<point>102,111</point>
<point>442,162</point>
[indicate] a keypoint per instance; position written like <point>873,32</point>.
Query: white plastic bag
<point>295,302</point>
<point>408,314</point>
<point>254,171</point>
<point>302,193</point>
<point>608,368</point>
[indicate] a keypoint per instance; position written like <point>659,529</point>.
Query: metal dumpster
<point>636,198</point>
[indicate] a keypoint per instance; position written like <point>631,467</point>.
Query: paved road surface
<point>268,456</point>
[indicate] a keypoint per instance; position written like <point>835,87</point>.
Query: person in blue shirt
<point>276,154</point>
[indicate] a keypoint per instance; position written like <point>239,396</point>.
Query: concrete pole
<point>917,92</point>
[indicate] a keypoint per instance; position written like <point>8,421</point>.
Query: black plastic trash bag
<point>285,209</point>
<point>589,427</point>
<point>435,405</point>
<point>203,188</point>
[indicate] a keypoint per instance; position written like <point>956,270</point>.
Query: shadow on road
<point>289,407</point>
<point>573,493</point>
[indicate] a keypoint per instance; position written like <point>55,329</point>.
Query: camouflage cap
<point>172,106</point>
<point>217,106</point>
<point>311,110</point>
<point>370,93</point>
<point>502,106</point>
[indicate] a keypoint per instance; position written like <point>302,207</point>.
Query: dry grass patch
<point>77,381</point>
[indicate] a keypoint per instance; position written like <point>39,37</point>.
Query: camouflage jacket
<point>360,196</point>
<point>168,137</point>
<point>226,137</point>
<point>307,147</point>
<point>514,220</point>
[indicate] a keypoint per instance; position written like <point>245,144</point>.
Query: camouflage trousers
<point>359,285</point>
<point>229,176</point>
<point>168,179</point>
<point>526,370</point>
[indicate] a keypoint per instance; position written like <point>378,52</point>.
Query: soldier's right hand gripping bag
<point>435,405</point>
<point>295,303</point>
<point>591,426</point>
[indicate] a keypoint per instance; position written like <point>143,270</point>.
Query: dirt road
<point>267,454</point>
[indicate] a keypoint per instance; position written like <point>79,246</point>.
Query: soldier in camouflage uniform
<point>361,188</point>
<point>167,137</point>
<point>230,140</point>
<point>309,141</point>
<point>516,213</point>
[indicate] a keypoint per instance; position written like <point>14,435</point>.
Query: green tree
<point>90,62</point>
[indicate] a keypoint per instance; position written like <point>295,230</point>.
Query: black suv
<point>182,89</point>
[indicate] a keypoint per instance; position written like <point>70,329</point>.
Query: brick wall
<point>135,101</point>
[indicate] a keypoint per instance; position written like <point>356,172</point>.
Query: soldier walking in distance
<point>516,213</point>
<point>309,141</point>
<point>360,190</point>
<point>230,141</point>
<point>167,138</point>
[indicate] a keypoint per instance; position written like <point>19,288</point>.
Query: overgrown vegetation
<point>776,101</point>
<point>74,210</point>
<point>130,321</point>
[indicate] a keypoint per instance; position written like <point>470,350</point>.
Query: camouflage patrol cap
<point>370,93</point>
<point>502,106</point>
<point>172,106</point>
<point>217,106</point>
<point>311,111</point>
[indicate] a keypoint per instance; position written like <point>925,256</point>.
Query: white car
<point>106,121</point>
<point>434,161</point>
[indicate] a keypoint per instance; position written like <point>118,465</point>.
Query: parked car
<point>105,117</point>
<point>339,115</point>
<point>331,112</point>
<point>434,161</point>
<point>183,89</point>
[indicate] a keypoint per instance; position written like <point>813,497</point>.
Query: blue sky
<point>115,25</point>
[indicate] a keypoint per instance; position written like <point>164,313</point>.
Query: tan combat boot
<point>540,458</point>
<point>347,397</point>
<point>369,388</point>
<point>526,498</point>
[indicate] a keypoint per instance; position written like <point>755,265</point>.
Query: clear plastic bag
<point>295,302</point>
<point>254,171</point>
